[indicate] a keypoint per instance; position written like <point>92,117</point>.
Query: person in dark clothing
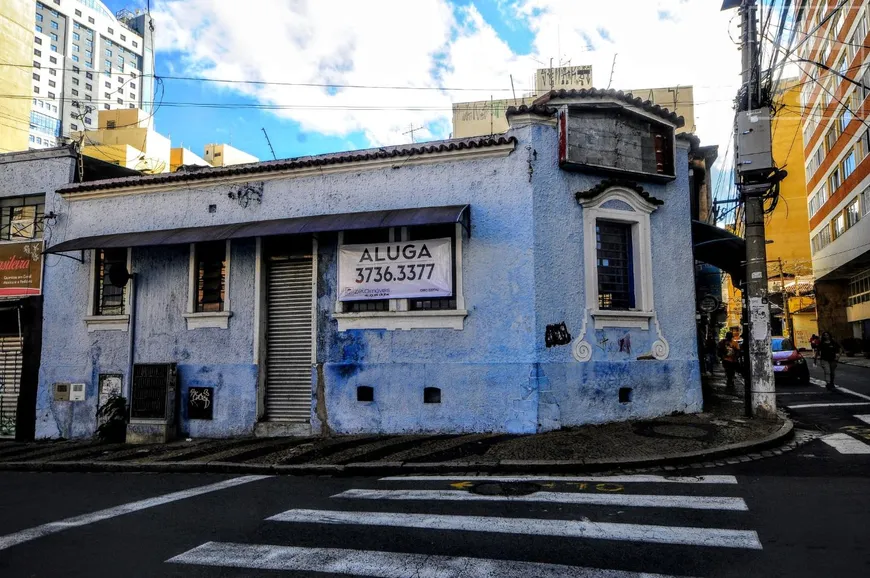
<point>829,353</point>
<point>814,344</point>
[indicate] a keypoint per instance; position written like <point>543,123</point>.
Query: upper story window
<point>616,141</point>
<point>21,218</point>
<point>54,25</point>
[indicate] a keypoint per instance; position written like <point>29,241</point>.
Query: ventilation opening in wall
<point>365,393</point>
<point>431,395</point>
<point>624,395</point>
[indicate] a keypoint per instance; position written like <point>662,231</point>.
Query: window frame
<point>641,236</point>
<point>100,322</point>
<point>207,319</point>
<point>399,314</point>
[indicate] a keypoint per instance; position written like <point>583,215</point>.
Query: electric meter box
<point>77,392</point>
<point>753,141</point>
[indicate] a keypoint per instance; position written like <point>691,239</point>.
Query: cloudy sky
<point>447,50</point>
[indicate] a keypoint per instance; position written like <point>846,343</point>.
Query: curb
<point>784,433</point>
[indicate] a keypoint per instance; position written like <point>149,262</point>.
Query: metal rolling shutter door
<point>10,382</point>
<point>288,340</point>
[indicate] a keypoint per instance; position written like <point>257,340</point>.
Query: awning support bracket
<point>80,259</point>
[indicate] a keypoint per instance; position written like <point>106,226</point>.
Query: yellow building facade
<point>16,47</point>
<point>789,260</point>
<point>126,137</point>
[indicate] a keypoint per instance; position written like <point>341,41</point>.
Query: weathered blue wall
<point>573,393</point>
<point>522,270</point>
<point>217,358</point>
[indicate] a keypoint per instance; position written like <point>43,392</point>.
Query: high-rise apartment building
<point>86,59</point>
<point>836,149</point>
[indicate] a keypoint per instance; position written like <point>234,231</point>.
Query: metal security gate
<point>289,330</point>
<point>10,382</point>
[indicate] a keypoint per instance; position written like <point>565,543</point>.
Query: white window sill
<point>107,322</point>
<point>208,320</point>
<point>393,320</point>
<point>630,319</point>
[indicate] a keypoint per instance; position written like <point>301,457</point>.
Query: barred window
<point>21,218</point>
<point>211,269</point>
<point>108,299</point>
<point>615,265</point>
<point>359,237</point>
<point>422,233</point>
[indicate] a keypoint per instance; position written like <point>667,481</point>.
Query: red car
<point>788,363</point>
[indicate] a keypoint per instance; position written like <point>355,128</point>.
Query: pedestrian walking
<point>729,352</point>
<point>829,353</point>
<point>814,344</point>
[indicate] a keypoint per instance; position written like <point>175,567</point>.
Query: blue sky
<point>436,44</point>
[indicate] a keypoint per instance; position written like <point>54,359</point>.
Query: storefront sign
<point>398,270</point>
<point>20,269</point>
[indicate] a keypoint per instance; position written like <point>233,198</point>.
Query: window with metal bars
<point>615,265</point>
<point>422,233</point>
<point>108,299</point>
<point>211,269</point>
<point>359,237</point>
<point>22,218</point>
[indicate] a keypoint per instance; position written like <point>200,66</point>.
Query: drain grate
<point>505,489</point>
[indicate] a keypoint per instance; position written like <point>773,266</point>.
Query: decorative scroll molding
<point>581,349</point>
<point>660,347</point>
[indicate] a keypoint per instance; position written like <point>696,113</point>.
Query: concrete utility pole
<point>755,172</point>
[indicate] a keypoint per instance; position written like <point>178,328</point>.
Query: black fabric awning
<point>720,248</point>
<point>294,226</point>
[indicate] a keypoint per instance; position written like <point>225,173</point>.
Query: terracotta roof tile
<point>536,109</point>
<point>609,183</point>
<point>626,97</point>
<point>208,173</point>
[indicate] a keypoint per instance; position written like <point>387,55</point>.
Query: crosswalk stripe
<point>630,500</point>
<point>864,418</point>
<point>636,479</point>
<point>714,537</point>
<point>846,444</point>
<point>35,532</point>
<point>381,564</point>
<point>821,383</point>
<point>838,404</point>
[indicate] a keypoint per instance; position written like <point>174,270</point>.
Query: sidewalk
<point>858,361</point>
<point>720,431</point>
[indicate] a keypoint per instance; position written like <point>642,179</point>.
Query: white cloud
<point>429,43</point>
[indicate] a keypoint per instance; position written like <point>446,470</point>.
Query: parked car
<point>788,362</point>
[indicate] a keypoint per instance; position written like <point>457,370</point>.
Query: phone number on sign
<point>402,273</point>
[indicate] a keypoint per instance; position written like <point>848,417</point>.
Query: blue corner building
<point>523,282</point>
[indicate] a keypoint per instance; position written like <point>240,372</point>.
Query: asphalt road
<point>801,514</point>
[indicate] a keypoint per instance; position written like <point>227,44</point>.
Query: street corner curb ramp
<point>783,434</point>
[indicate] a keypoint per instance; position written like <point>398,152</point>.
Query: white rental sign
<point>400,270</point>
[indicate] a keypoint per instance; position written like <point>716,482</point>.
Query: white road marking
<point>715,537</point>
<point>822,383</point>
<point>846,444</point>
<point>381,564</point>
<point>835,404</point>
<point>864,418</point>
<point>10,540</point>
<point>603,479</point>
<point>630,500</point>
